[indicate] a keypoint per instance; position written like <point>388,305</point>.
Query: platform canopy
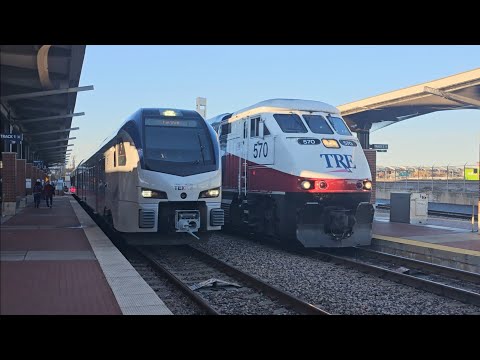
<point>460,91</point>
<point>39,86</point>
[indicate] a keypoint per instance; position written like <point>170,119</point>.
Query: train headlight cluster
<point>210,193</point>
<point>306,185</point>
<point>154,194</point>
<point>330,143</point>
<point>367,184</point>
<point>322,184</point>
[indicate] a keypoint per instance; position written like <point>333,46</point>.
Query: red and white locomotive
<point>293,171</point>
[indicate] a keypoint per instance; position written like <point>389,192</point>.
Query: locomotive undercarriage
<point>312,220</point>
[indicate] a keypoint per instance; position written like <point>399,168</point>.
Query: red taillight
<point>73,189</point>
<point>322,185</point>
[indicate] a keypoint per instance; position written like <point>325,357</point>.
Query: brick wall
<point>372,162</point>
<point>9,174</point>
<point>21,177</point>
<point>28,175</point>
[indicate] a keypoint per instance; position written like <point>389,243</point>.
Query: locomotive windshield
<point>318,124</point>
<point>179,146</point>
<point>290,123</point>
<point>339,126</point>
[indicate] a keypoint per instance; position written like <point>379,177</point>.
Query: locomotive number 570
<point>260,149</point>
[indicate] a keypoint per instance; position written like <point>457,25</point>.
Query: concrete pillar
<point>372,162</point>
<point>29,175</point>
<point>20,188</point>
<point>9,174</point>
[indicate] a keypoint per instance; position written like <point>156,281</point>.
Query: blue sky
<point>232,77</point>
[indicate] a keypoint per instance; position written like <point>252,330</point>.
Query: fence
<point>455,179</point>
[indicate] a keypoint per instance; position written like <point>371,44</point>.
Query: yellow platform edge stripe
<point>427,245</point>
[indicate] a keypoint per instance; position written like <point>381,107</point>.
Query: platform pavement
<point>57,261</point>
<point>447,242</point>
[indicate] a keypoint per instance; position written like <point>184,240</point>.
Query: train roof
<point>219,118</point>
<point>290,104</point>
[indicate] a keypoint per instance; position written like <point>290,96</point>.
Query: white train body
<point>157,177</point>
<point>293,170</point>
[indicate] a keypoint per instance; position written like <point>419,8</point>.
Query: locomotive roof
<point>291,104</point>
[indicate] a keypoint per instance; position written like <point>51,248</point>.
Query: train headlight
<point>306,185</point>
<point>154,194</point>
<point>330,143</point>
<point>210,193</point>
<point>367,184</point>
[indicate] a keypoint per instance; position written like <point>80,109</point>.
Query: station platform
<point>445,242</point>
<point>57,261</point>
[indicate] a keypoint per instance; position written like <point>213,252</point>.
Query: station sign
<point>39,164</point>
<point>379,146</point>
<point>12,138</point>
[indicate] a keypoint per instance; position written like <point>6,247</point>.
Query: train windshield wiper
<point>201,147</point>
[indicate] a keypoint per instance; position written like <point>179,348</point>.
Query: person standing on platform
<point>49,190</point>
<point>37,193</point>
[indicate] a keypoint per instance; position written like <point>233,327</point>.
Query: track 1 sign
<point>379,146</point>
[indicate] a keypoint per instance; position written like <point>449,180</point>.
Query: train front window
<point>177,145</point>
<point>318,124</point>
<point>290,123</point>
<point>339,126</point>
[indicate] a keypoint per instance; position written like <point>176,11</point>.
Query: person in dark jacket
<point>49,190</point>
<point>37,193</point>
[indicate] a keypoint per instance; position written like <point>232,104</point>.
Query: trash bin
<point>409,208</point>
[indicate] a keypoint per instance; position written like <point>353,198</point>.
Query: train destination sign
<point>170,122</point>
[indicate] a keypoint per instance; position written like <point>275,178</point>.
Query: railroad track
<point>226,290</point>
<point>441,280</point>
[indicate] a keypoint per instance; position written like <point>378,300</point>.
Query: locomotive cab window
<point>255,127</point>
<point>265,130</point>
<point>339,126</point>
<point>290,123</point>
<point>122,156</point>
<point>226,129</point>
<point>317,124</point>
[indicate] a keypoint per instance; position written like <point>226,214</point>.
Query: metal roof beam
<point>45,93</point>
<point>21,121</point>
<point>54,131</point>
<point>57,64</point>
<point>56,154</point>
<point>54,147</point>
<point>38,108</point>
<point>56,140</point>
<point>457,98</point>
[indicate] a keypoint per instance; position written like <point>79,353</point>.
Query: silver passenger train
<point>293,172</point>
<point>157,178</point>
